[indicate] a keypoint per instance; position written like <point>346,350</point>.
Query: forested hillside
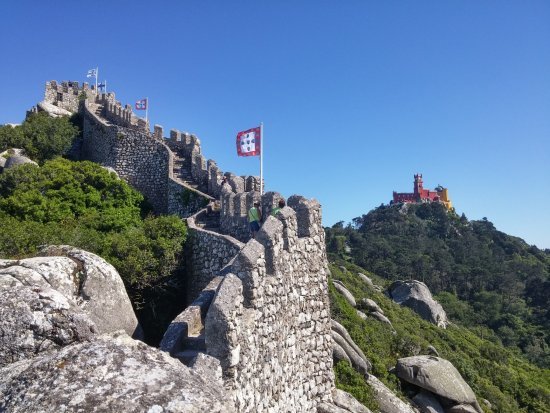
<point>485,279</point>
<point>502,377</point>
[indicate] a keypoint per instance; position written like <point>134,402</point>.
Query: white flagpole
<point>96,75</point>
<point>146,108</point>
<point>261,158</point>
<point>105,87</point>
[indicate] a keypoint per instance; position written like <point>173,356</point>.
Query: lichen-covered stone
<point>112,373</point>
<point>36,319</point>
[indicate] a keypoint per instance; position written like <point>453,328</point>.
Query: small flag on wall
<point>141,104</point>
<point>248,142</point>
<point>92,73</point>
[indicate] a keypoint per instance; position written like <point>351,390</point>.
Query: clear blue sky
<point>356,96</point>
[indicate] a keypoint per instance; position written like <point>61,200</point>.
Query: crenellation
<point>308,214</point>
<point>158,131</point>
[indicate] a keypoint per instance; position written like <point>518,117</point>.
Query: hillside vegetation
<point>509,382</point>
<point>83,205</point>
<point>485,279</point>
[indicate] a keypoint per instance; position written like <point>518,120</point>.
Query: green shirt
<point>275,210</point>
<point>253,214</point>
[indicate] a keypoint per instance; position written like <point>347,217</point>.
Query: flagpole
<point>261,158</point>
<point>146,109</point>
<point>105,87</point>
<point>96,75</point>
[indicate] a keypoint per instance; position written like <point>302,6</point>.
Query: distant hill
<point>484,278</point>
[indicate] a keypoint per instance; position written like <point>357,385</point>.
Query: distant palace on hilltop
<point>420,194</point>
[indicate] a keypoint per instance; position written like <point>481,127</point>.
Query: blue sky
<point>355,96</point>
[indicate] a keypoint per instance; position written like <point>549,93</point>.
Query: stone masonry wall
<point>208,253</point>
<point>269,323</point>
<point>140,160</point>
<point>67,94</point>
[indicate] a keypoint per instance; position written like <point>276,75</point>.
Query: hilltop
<point>485,279</point>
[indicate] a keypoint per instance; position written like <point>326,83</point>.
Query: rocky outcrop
<point>341,288</point>
<point>439,377</point>
<point>112,373</point>
<point>37,319</point>
<point>342,403</point>
<point>16,160</point>
<point>387,401</point>
<point>96,287</point>
<point>343,340</point>
<point>416,295</point>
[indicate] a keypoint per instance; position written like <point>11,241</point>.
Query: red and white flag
<point>141,104</point>
<point>248,142</point>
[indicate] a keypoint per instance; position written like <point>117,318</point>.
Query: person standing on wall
<point>275,210</point>
<point>254,217</point>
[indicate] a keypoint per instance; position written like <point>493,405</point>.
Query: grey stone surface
<point>416,295</point>
<point>380,317</point>
<point>112,373</point>
<point>360,364</point>
<point>16,160</point>
<point>347,401</point>
<point>428,403</point>
<point>36,319</point>
<point>96,287</point>
<point>338,353</point>
<point>370,305</point>
<point>436,375</point>
<point>365,278</point>
<point>341,330</point>
<point>52,110</point>
<point>341,288</point>
<point>388,402</point>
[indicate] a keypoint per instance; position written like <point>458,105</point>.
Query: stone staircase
<point>209,220</point>
<point>183,173</point>
<point>184,338</point>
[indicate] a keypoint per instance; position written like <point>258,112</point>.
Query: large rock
<point>416,295</point>
<point>387,401</point>
<point>360,364</point>
<point>438,376</point>
<point>84,278</point>
<point>341,288</point>
<point>347,401</point>
<point>341,330</point>
<point>370,305</point>
<point>37,319</point>
<point>112,373</point>
<point>101,292</point>
<point>16,160</point>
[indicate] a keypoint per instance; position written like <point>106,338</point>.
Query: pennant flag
<point>248,142</point>
<point>101,86</point>
<point>92,73</point>
<point>141,104</point>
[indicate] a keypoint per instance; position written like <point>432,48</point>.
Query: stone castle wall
<point>269,323</point>
<point>140,160</point>
<point>67,95</point>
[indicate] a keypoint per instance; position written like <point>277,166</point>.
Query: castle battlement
<point>259,306</point>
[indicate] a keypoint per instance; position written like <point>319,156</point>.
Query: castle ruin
<point>259,306</point>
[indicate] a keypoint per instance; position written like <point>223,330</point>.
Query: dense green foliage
<point>483,277</point>
<point>83,205</point>
<point>509,382</point>
<point>41,136</point>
